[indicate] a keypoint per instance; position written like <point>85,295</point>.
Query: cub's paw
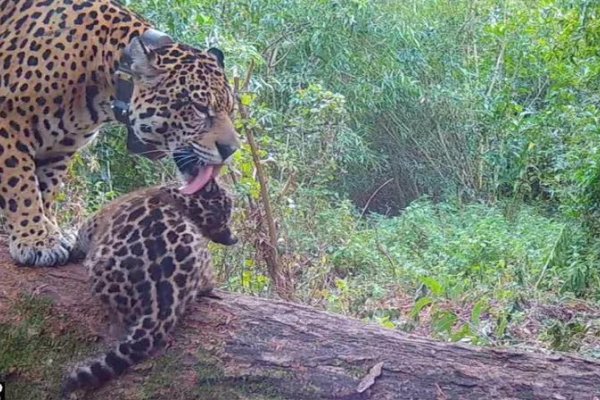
<point>48,250</point>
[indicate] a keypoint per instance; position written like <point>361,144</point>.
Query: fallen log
<point>244,347</point>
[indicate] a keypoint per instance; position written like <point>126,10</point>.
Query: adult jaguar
<point>70,66</point>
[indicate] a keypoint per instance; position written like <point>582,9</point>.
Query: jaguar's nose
<point>225,150</point>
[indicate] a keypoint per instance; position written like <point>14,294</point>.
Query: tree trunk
<point>269,349</point>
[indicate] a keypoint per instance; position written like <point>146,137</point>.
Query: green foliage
<point>544,100</point>
<point>566,336</point>
<point>481,99</point>
<point>106,170</point>
<point>485,114</point>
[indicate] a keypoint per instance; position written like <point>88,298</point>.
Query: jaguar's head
<point>181,106</point>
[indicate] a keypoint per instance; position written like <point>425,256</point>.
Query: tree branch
<point>282,285</point>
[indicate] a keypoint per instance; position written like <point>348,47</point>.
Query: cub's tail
<point>143,338</point>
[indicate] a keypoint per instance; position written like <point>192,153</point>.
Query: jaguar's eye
<point>202,110</point>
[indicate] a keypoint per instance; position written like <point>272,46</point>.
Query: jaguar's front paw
<point>49,249</point>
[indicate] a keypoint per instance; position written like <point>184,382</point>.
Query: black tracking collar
<point>150,40</point>
<point>124,89</point>
<point>124,84</point>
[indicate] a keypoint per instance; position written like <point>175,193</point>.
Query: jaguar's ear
<point>219,56</point>
<point>141,53</point>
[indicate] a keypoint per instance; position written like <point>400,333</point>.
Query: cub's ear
<point>140,53</point>
<point>223,236</point>
<point>219,56</point>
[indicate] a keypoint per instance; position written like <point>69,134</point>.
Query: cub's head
<point>181,106</point>
<point>216,207</point>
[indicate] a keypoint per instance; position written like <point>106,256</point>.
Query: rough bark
<point>300,353</point>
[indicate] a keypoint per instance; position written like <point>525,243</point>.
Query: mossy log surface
<point>243,347</point>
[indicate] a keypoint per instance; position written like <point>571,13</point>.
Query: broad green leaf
<point>480,307</point>
<point>247,99</point>
<point>433,285</point>
<point>420,305</point>
<point>443,321</point>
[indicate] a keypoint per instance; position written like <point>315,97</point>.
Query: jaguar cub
<point>147,257</point>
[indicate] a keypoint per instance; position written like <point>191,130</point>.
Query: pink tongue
<point>198,182</point>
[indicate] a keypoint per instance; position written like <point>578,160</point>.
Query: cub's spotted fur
<point>61,64</point>
<point>147,257</point>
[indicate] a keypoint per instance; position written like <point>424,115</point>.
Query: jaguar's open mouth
<point>199,178</point>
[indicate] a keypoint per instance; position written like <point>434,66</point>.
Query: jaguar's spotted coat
<point>58,60</point>
<point>147,258</point>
